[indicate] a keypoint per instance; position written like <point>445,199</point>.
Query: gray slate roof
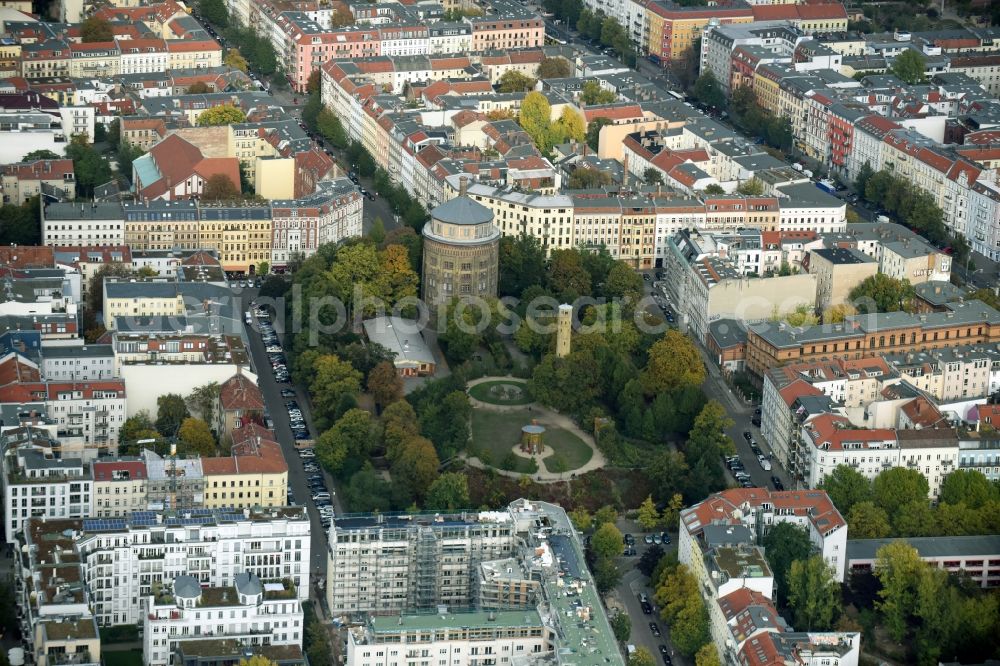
<point>462,210</point>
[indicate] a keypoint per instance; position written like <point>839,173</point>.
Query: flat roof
<point>461,620</point>
<point>945,546</point>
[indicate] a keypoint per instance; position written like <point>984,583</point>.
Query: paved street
<point>633,584</point>
<point>276,408</point>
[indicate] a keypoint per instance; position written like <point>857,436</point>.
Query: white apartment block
<point>83,224</point>
<point>382,564</point>
<point>37,484</point>
<point>124,558</point>
<point>120,487</point>
<point>77,362</point>
<point>830,440</point>
<point>503,638</point>
<point>250,611</point>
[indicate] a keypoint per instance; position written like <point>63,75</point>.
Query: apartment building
<point>707,284</point>
<point>93,410</point>
<point>558,610</point>
<point>331,214</point>
<point>256,474</point>
<point>385,564</point>
<point>77,363</point>
<point>671,31</point>
<point>119,487</point>
<point>971,322</point>
<point>95,224</point>
<point>914,260</point>
<point>23,180</point>
<point>831,440</point>
<point>54,613</point>
<point>460,639</point>
<point>951,374</point>
<point>214,546</point>
<point>756,509</point>
<point>250,612</point>
<point>976,557</point>
<point>838,271</point>
<point>39,484</point>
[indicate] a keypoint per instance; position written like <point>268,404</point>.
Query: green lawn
<point>495,434</point>
<point>123,658</point>
<point>569,451</point>
<point>482,393</point>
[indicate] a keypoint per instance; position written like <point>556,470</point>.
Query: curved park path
<point>545,416</point>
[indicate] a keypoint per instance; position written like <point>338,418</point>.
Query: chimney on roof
<point>463,185</point>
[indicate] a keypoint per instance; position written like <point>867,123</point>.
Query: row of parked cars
<point>320,494</point>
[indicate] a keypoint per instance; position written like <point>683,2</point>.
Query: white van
<point>765,464</point>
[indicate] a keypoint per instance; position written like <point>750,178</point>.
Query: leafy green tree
<point>784,544</point>
<point>352,437</point>
<point>708,91</point>
<point>969,487</point>
<point>215,11</point>
<point>915,519</point>
<point>606,575</point>
<point>415,467</point>
<point>607,541</point>
<point>42,154</point>
<point>641,657</point>
<point>223,114</point>
<point>449,492</point>
<point>219,187</point>
<point>897,487</point>
<point>606,514</point>
<point>535,117</point>
<point>650,559</point>
<point>554,68</point>
<point>195,438</point>
<point>446,423</point>
<point>865,174</point>
<point>125,156</point>
<point>333,379</point>
<point>881,293</point>
<point>399,423</point>
<point>568,278</point>
<point>522,264</point>
<point>235,60</point>
<point>708,655</point>
<point>751,188</point>
<point>136,427</point>
<point>673,362</point>
<point>385,384</point>
<point>683,608</point>
<point>367,491</point>
<point>90,167</point>
<point>846,487</point>
<point>648,517</point>
<point>594,132</point>
<point>21,225</point>
<point>96,29</point>
<point>514,81</point>
<point>581,519</point>
<point>171,411</point>
<point>621,625</point>
<point>585,178</point>
<point>329,125</point>
<point>865,520</point>
<point>910,66</point>
<point>813,593</point>
<point>652,176</point>
<point>202,400</point>
<point>569,127</point>
<point>592,94</point>
<point>568,384</point>
<point>714,189</point>
<point>898,568</point>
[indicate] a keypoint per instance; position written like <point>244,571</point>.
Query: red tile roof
<point>240,393</point>
<point>104,471</point>
<point>26,256</point>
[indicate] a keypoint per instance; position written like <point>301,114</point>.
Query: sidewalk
<point>544,416</point>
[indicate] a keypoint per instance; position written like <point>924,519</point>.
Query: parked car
<point>776,482</point>
<point>287,393</point>
<point>747,435</point>
<point>323,495</point>
<point>664,537</point>
<point>307,454</point>
<point>654,629</point>
<point>647,608</point>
